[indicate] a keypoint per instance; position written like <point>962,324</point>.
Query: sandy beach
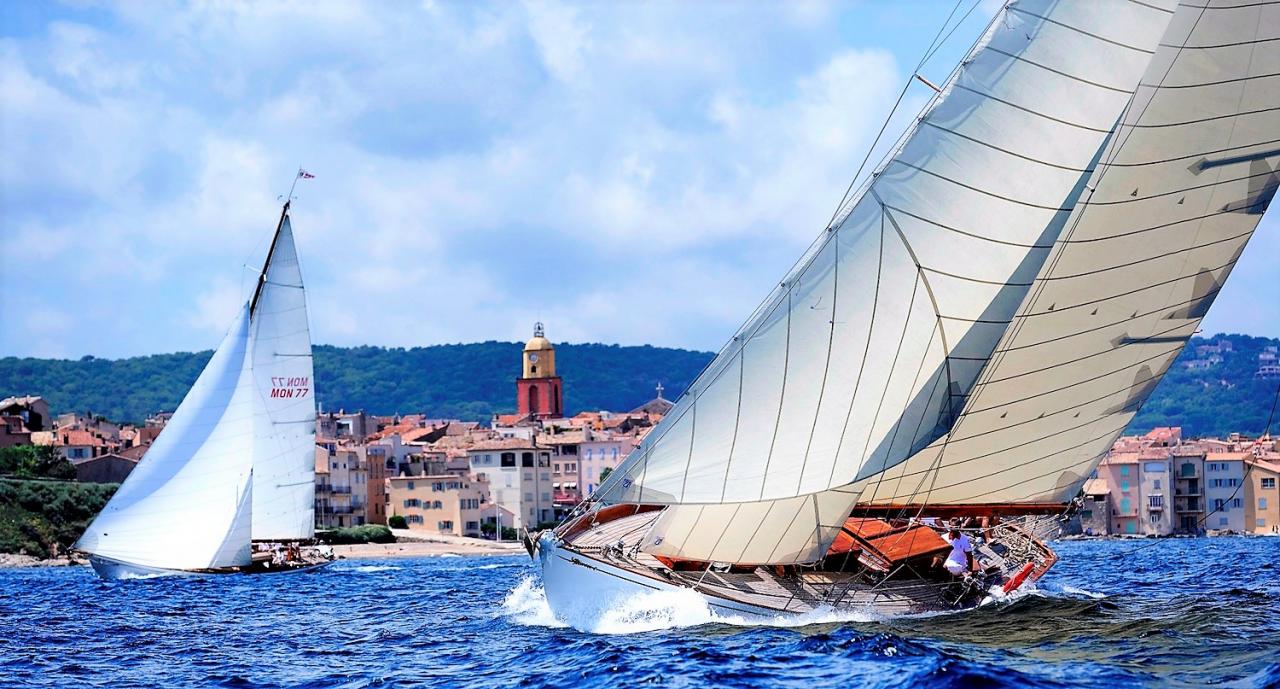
<point>415,544</point>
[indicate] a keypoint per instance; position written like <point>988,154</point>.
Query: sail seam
<point>1202,120</point>
<point>1079,30</point>
<point>1205,271</point>
<point>1059,72</point>
<point>1153,228</point>
<point>1025,109</point>
<point>782,399</point>
<point>1149,258</point>
<point>970,187</point>
<point>826,368</point>
<point>1135,317</point>
<point>1214,83</point>
<point>1195,155</point>
<point>1183,190</point>
<point>1221,45</point>
<point>935,223</point>
<point>1002,150</point>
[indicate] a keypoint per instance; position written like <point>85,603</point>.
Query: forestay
<point>284,433</point>
<point>868,351</point>
<point>186,506</point>
<point>1182,186</point>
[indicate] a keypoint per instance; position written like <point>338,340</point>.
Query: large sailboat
<point>236,462</point>
<point>964,342</point>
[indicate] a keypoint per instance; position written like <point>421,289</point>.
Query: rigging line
<point>916,435</point>
<point>889,118</point>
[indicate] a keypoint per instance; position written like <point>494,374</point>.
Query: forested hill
<point>473,381</point>
<point>467,381</point>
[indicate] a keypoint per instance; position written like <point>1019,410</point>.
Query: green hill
<point>473,381</point>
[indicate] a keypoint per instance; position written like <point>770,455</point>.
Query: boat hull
<point>580,588</point>
<point>119,570</point>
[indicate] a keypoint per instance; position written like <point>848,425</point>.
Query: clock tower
<point>538,389</point>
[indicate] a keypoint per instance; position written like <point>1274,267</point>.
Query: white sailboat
<point>968,337</point>
<point>236,462</point>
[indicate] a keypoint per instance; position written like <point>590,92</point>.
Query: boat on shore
<point>968,336</point>
<point>228,487</point>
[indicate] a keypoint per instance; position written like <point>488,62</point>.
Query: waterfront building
<point>1188,497</point>
<point>32,409</point>
<point>1095,513</point>
<point>518,473</point>
<point>1262,496</point>
<point>1224,491</point>
<point>342,479</point>
<point>442,504</point>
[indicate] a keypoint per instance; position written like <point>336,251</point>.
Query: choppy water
<point>1111,614</point>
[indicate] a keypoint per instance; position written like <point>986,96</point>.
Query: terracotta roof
<point>1122,458</point>
<point>565,438</point>
<point>78,438</point>
<point>504,444</point>
<point>1096,486</point>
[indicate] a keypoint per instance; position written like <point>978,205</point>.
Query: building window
<point>508,459</point>
<point>1268,483</point>
<point>1237,503</point>
<point>413,502</point>
<point>1233,482</point>
<point>1222,521</point>
<point>1124,486</point>
<point>526,460</point>
<point>1218,504</point>
<point>1156,484</point>
<point>1124,470</point>
<point>410,483</point>
<point>1156,501</point>
<point>1125,506</point>
<point>445,525</point>
<point>414,519</point>
<point>1152,467</point>
<point>1262,503</point>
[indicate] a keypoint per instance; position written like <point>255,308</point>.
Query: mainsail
<point>235,462</point>
<point>284,442</point>
<point>993,308</point>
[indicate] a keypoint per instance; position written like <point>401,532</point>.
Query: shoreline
<point>408,544</point>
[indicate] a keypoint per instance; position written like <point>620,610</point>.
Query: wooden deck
<point>800,590</point>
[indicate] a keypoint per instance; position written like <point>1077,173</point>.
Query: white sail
<point>1180,190</point>
<point>869,349</point>
<point>186,505</point>
<point>284,431</point>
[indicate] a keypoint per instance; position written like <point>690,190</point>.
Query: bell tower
<point>539,393</point>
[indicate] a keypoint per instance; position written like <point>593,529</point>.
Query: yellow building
<point>443,504</point>
<point>1262,497</point>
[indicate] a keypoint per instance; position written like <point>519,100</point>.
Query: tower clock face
<point>533,357</point>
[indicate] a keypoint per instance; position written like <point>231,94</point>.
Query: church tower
<point>538,389</point>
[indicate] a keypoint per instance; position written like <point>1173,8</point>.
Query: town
<point>530,468</point>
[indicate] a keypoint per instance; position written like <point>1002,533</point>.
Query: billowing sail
<point>187,503</point>
<point>869,350</point>
<point>1178,193</point>
<point>284,436</point>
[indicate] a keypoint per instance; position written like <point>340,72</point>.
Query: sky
<point>632,173</point>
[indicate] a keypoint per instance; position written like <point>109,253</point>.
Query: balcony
<point>335,509</point>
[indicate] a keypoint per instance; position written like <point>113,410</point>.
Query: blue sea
<point>1193,612</point>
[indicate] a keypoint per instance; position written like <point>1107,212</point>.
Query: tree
<point>604,474</point>
<point>35,461</point>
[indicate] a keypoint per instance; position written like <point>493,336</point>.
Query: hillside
<point>468,381</point>
<point>473,381</point>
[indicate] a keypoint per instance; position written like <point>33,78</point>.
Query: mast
<point>266,263</point>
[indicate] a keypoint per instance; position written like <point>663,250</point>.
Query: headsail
<point>1177,195</point>
<point>284,432</point>
<point>186,505</point>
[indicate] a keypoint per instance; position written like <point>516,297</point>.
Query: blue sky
<point>630,173</point>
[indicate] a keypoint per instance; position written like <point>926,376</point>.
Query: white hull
<point>117,570</point>
<point>580,589</point>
